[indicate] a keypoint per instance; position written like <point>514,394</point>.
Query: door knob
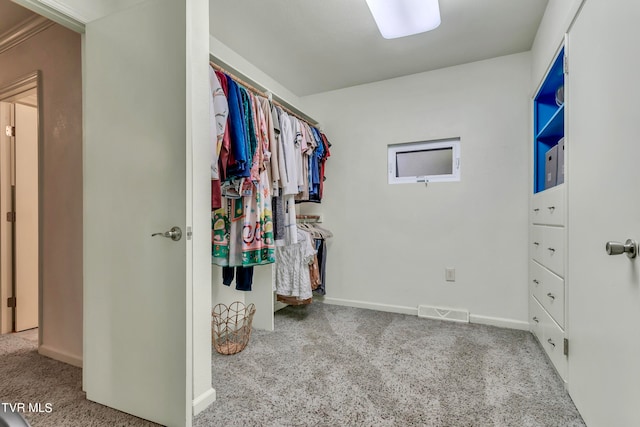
<point>630,247</point>
<point>174,234</point>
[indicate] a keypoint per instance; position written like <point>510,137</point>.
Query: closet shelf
<point>555,125</point>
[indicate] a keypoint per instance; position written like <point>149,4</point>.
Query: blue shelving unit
<point>548,119</point>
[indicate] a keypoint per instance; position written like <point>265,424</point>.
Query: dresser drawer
<point>547,247</point>
<point>553,344</point>
<point>548,206</point>
<point>548,288</point>
<point>550,336</point>
<point>537,244</point>
<point>536,279</point>
<point>536,317</point>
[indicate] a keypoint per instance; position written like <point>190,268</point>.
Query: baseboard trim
<point>473,318</point>
<point>60,355</point>
<point>203,401</point>
<point>499,322</point>
<point>371,305</point>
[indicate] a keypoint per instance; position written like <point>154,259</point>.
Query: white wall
<point>393,242</point>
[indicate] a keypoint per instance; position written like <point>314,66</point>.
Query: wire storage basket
<point>231,327</point>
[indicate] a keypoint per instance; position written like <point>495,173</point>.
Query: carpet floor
<point>28,377</point>
<point>328,365</point>
<point>334,366</point>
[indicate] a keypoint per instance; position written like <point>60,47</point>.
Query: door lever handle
<point>174,234</point>
<point>630,247</point>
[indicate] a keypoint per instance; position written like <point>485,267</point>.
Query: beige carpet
<point>338,366</point>
<point>27,377</point>
<point>334,366</point>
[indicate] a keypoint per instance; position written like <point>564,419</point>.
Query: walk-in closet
<point>430,223</point>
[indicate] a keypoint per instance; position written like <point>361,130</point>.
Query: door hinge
<point>565,65</point>
<point>566,347</point>
<point>11,217</point>
<point>10,130</point>
<point>11,302</point>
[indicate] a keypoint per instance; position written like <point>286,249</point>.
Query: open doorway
<point>33,47</point>
<point>19,204</point>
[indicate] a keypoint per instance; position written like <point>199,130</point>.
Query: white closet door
<point>603,151</point>
<point>26,208</point>
<point>141,143</point>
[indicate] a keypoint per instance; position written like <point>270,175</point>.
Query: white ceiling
<point>11,15</point>
<point>312,46</point>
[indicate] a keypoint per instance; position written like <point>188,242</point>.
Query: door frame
<point>8,92</point>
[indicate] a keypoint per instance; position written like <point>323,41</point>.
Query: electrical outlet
<point>450,274</point>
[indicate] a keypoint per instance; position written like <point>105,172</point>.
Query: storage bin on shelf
<point>231,327</point>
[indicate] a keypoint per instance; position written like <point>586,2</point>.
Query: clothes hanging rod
<point>259,90</point>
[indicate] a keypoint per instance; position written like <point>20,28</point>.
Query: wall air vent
<point>442,313</point>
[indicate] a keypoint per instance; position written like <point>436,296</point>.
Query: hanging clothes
<point>261,150</point>
<point>276,146</point>
<point>243,276</point>
<point>243,230</point>
<point>323,160</point>
<point>279,233</point>
<point>250,140</point>
<point>297,144</point>
<point>218,114</point>
<point>287,153</point>
<point>218,118</point>
<point>274,173</point>
<point>225,146</point>
<point>314,273</point>
<point>262,160</point>
<point>292,268</point>
<point>238,165</point>
<point>321,250</point>
<point>314,165</point>
<point>303,184</point>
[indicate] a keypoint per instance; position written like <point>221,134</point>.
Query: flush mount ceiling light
<point>400,18</point>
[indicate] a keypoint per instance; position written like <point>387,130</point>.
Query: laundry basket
<point>231,327</point>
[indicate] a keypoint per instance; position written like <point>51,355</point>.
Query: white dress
<point>287,153</point>
<point>292,267</point>
<point>218,112</point>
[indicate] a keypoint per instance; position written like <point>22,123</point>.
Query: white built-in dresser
<point>547,225</point>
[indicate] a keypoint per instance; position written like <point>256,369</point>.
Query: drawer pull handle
<point>551,208</point>
<point>535,319</point>
<point>536,281</point>
<point>551,249</point>
<point>536,210</point>
<point>551,342</point>
<point>550,295</point>
<point>536,243</point>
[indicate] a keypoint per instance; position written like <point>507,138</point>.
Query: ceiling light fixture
<point>400,18</point>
